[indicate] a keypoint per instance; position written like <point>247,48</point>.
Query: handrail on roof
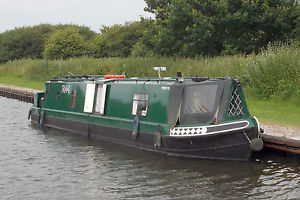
<point>73,78</point>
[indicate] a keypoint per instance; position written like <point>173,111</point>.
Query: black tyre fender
<point>29,113</point>
<point>135,131</point>
<point>42,118</point>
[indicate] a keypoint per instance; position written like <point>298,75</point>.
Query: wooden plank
<point>282,138</point>
<point>20,93</point>
<point>18,89</point>
<point>281,141</point>
<point>283,148</point>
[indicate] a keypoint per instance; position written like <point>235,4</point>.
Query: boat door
<point>100,98</point>
<point>89,98</point>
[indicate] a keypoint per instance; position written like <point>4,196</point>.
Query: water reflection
<point>49,164</point>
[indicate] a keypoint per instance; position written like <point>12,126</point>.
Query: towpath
<point>281,131</point>
<point>20,93</point>
<point>282,138</point>
<point>21,89</point>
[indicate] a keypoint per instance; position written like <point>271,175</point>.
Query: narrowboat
<point>187,117</point>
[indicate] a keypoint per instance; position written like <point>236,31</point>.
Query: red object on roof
<point>114,76</point>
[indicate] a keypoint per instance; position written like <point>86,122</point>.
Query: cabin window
<point>200,103</point>
<point>100,98</point>
<point>73,99</point>
<point>140,104</point>
<point>200,99</point>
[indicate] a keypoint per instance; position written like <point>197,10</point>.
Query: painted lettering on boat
<point>165,88</point>
<point>65,89</point>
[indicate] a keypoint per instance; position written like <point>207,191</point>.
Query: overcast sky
<point>91,13</point>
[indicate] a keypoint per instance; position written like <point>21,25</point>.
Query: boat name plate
<point>65,89</point>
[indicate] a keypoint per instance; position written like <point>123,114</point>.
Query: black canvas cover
<point>201,102</point>
<point>174,105</point>
<point>224,99</point>
<point>198,102</point>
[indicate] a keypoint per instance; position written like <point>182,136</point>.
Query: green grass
<point>133,66</point>
<point>22,82</point>
<point>275,112</point>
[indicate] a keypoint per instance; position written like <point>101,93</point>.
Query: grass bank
<point>271,79</point>
<point>22,82</point>
<point>134,66</point>
<point>30,72</point>
<point>275,111</point>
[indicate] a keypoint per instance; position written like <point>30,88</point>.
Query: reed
<point>133,66</point>
<point>275,72</point>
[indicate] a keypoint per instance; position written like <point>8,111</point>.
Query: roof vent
<point>199,79</point>
<point>180,78</point>
<point>160,69</point>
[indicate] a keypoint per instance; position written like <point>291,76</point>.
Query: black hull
<point>223,146</point>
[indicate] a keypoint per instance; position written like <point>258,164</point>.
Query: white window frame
<point>135,104</point>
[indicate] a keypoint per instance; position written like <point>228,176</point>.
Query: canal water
<point>51,164</point>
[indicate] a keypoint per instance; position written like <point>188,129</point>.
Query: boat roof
<point>135,80</point>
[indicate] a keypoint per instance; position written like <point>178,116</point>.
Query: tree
<point>213,27</point>
<point>24,42</point>
<point>159,8</point>
<point>84,31</point>
<point>64,44</point>
<point>296,31</point>
<point>98,46</point>
<point>117,41</point>
<point>29,42</point>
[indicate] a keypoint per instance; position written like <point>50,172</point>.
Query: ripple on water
<point>50,164</point>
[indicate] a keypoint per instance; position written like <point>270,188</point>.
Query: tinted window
<point>140,104</point>
<point>199,99</point>
<point>199,104</point>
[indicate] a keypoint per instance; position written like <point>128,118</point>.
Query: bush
<point>29,42</point>
<point>274,72</point>
<point>25,42</point>
<point>63,44</point>
<point>117,41</point>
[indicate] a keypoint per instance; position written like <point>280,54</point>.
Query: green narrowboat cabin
<point>191,117</point>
